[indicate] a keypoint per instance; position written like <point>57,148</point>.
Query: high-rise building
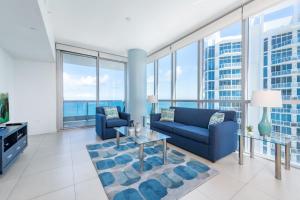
<point>223,71</point>
<point>274,63</point>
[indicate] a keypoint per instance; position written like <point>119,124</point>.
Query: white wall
<point>7,77</point>
<point>35,95</point>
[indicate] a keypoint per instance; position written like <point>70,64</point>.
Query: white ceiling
<point>23,32</point>
<point>152,24</point>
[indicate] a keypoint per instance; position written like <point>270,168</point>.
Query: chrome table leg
<point>251,147</point>
<point>287,163</point>
<point>141,157</point>
<point>278,161</point>
<point>165,151</point>
<point>118,138</point>
<point>241,149</point>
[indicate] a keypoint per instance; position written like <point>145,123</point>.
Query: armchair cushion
<point>192,132</point>
<point>110,123</point>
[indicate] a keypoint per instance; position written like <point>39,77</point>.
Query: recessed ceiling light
<point>128,19</point>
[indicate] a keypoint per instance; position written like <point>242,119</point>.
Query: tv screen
<point>4,108</point>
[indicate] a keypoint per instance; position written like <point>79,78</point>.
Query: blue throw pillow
<point>216,118</point>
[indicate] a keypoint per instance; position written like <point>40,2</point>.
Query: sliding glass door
<point>85,82</point>
<point>79,90</point>
<point>112,83</point>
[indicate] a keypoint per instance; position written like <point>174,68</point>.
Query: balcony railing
<point>85,110</point>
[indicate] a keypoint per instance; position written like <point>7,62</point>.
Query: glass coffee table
<point>145,136</point>
<point>278,140</point>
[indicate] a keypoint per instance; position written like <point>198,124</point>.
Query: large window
<point>273,64</point>
<point>79,90</point>
<point>187,76</point>
<point>222,68</point>
<point>150,83</point>
<point>272,44</point>
<point>150,79</point>
<point>164,81</point>
<point>112,83</point>
<point>80,84</point>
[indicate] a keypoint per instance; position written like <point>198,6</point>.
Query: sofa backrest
<point>100,109</point>
<point>199,117</point>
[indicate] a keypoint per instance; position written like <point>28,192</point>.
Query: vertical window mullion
<point>244,72</point>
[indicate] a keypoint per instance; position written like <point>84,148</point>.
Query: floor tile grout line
<point>46,170</point>
<point>40,195</point>
<point>73,171</point>
<point>21,175</point>
<point>247,183</point>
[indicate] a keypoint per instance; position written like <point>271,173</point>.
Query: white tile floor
<point>57,167</point>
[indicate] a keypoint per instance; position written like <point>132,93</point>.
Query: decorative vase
<point>264,126</point>
<point>153,108</point>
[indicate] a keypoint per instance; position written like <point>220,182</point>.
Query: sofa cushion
<point>110,123</point>
<point>199,117</point>
<point>192,116</point>
<point>192,132</point>
<point>165,126</point>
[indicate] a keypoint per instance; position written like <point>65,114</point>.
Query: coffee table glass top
<point>144,136</point>
<point>274,138</point>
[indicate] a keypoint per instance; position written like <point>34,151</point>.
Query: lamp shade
<point>266,98</point>
<point>152,99</point>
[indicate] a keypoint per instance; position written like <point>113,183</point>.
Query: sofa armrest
<point>155,117</point>
<point>125,116</point>
<point>222,139</point>
<point>100,123</point>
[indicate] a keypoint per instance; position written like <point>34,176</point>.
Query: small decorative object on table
<point>131,131</point>
<point>137,127</point>
<point>250,130</point>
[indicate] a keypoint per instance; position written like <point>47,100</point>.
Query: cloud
<point>178,71</point>
<point>150,79</point>
<point>168,75</point>
<point>104,79</point>
<point>82,81</point>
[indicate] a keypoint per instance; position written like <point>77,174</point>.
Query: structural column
<point>137,60</point>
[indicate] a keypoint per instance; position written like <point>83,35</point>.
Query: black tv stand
<point>13,141</point>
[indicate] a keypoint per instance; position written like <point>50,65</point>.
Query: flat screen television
<point>4,108</point>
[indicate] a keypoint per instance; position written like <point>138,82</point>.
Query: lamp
<point>266,99</point>
<point>153,100</point>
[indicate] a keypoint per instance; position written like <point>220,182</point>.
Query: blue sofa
<point>105,127</point>
<point>190,131</point>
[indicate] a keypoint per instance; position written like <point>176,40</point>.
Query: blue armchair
<point>105,127</point>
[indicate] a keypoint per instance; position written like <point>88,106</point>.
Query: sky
<point>80,83</point>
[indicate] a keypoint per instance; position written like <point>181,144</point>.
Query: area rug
<point>119,171</point>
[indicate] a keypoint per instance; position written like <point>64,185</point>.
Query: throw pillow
<point>111,113</point>
<point>216,118</point>
<point>167,115</point>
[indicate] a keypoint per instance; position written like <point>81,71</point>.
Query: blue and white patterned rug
<point>118,170</point>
